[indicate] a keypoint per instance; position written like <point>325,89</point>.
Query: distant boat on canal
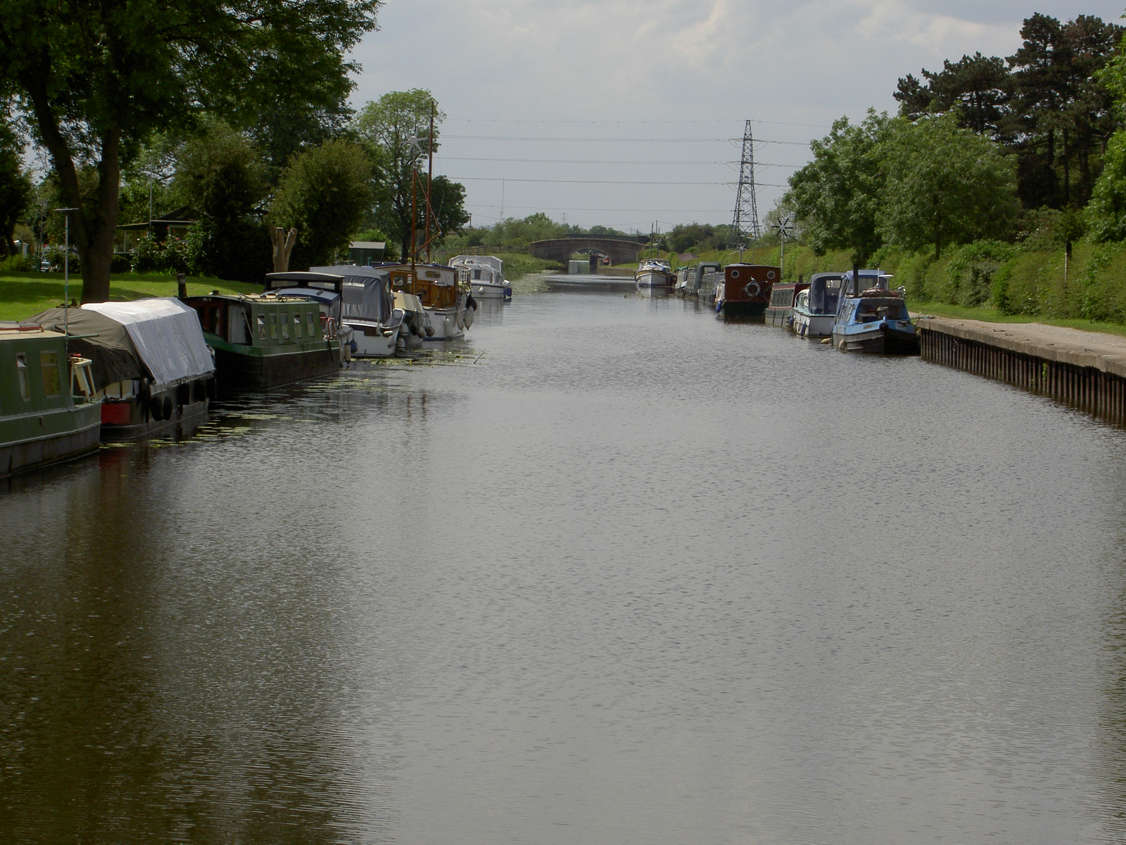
<point>654,273</point>
<point>483,275</point>
<point>873,318</point>
<point>150,361</point>
<point>815,309</point>
<point>48,411</point>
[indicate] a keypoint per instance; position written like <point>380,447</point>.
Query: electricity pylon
<point>744,222</point>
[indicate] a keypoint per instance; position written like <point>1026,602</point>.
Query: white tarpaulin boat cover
<point>166,334</point>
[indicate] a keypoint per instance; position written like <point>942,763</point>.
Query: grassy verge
<point>25,294</point>
<point>992,315</point>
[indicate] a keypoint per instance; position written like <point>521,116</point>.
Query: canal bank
<point>1086,370</point>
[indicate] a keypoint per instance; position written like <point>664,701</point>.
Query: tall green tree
<point>221,176</point>
<point>400,131</point>
<point>943,184</point>
<point>15,187</point>
<point>324,193</point>
<point>837,195</point>
<point>96,79</point>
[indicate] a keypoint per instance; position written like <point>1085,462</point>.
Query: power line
<point>650,140</point>
<point>603,181</point>
<point>606,161</point>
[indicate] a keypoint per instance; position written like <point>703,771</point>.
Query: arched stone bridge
<point>620,250</point>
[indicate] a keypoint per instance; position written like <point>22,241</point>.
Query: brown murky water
<point>610,571</point>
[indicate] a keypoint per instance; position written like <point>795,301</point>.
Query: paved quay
<point>1105,352</point>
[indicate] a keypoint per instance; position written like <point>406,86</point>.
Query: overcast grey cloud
<point>631,114</point>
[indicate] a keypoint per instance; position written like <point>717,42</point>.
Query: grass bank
<point>25,294</point>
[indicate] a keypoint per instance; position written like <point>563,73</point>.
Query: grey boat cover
<point>366,291</point>
<point>156,338</point>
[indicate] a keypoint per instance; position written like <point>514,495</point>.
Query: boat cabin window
<point>261,327</point>
<point>312,324</point>
<point>880,309</point>
<point>52,375</point>
<point>21,373</point>
<point>284,327</point>
<point>297,325</point>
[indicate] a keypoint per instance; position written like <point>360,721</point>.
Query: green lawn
<point>992,315</point>
<point>25,294</point>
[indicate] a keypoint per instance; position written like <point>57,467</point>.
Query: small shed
<point>366,253</point>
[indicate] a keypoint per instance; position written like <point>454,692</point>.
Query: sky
<point>633,114</point>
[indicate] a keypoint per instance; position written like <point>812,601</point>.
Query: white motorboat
<point>484,275</point>
<point>815,309</point>
<point>654,273</point>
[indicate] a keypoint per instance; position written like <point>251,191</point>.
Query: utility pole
<point>744,222</point>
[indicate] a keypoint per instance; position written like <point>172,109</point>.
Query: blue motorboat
<point>873,318</point>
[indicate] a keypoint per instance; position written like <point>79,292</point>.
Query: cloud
<point>632,82</point>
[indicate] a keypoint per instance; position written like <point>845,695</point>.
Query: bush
<point>19,264</point>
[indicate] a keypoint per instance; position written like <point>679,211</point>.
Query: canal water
<point>609,571</point>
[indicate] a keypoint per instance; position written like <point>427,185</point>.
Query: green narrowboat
<point>266,340</point>
<point>47,410</point>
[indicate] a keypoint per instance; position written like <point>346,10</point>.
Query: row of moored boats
<point>74,377</point>
<point>857,310</point>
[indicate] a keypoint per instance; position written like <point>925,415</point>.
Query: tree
<point>324,193</point>
<point>944,184</point>
<point>220,175</point>
<point>1106,211</point>
<point>15,187</point>
<point>96,79</point>
<point>400,133</point>
<point>837,195</point>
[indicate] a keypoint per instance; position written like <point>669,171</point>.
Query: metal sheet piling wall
<point>1089,387</point>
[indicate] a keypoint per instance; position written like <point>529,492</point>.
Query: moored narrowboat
<point>263,341</point>
<point>151,364</point>
<point>780,310</point>
<point>48,411</point>
<point>743,290</point>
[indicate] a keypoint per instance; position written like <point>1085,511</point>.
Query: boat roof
<point>158,338</point>
<point>10,329</point>
<point>303,279</point>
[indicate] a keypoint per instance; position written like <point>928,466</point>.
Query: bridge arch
<point>620,250</point>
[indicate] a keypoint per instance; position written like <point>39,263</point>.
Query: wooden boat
<point>815,309</point>
<point>48,411</point>
<point>872,318</point>
<point>262,341</point>
<point>449,306</point>
<point>744,290</point>
<point>150,361</point>
<point>780,310</point>
<point>357,299</point>
<point>654,273</point>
